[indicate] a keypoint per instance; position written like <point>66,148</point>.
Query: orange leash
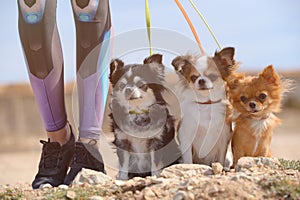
<point>191,26</point>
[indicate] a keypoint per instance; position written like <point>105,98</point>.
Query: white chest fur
<point>259,126</point>
<point>203,126</point>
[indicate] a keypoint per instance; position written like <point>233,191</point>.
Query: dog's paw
<point>122,176</point>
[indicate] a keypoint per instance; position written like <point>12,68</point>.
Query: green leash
<point>206,24</point>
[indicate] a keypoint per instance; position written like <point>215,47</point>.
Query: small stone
<point>190,196</point>
<point>64,187</point>
<point>95,198</point>
<point>71,194</point>
<point>46,186</point>
<point>256,163</point>
<point>84,185</point>
<point>129,193</point>
<point>91,177</point>
<point>138,195</point>
<point>120,183</point>
<point>235,177</point>
<point>148,193</point>
<point>245,163</point>
<point>182,195</point>
<point>213,190</point>
<point>290,172</point>
<point>190,187</point>
<point>217,168</point>
<point>270,162</point>
<point>186,170</point>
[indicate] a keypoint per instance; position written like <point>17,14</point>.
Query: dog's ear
<point>225,61</point>
<point>155,63</point>
<point>234,80</point>
<point>178,62</point>
<point>155,58</point>
<point>270,76</point>
<point>115,65</point>
<point>225,56</point>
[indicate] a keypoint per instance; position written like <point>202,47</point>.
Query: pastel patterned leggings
<point>42,48</point>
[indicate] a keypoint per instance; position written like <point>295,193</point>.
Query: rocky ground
<point>253,178</point>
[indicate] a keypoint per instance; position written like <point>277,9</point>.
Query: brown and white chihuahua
<point>205,129</point>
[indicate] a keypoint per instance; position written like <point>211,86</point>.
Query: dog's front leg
<point>185,145</point>
<point>187,156</point>
<point>124,165</point>
<point>155,164</point>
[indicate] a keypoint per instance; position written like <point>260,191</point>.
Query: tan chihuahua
<point>255,99</point>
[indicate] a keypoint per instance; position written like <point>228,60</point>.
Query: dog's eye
<point>212,77</point>
<point>194,78</point>
<point>262,96</point>
<point>243,99</point>
<point>122,85</point>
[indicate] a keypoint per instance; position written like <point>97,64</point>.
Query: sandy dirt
<point>20,167</point>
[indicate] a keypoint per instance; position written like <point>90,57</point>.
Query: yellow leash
<point>206,24</point>
<point>148,22</point>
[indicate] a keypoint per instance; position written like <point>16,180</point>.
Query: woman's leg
<point>42,49</point>
<point>41,44</point>
<point>92,20</point>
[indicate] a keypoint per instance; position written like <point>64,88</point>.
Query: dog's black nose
<point>252,104</point>
<point>201,82</point>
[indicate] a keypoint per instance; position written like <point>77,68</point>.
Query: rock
<point>91,177</point>
<point>71,195</point>
<point>64,187</point>
<point>255,163</point>
<point>182,195</point>
<point>186,170</point>
<point>270,162</point>
<point>244,163</point>
<point>120,183</point>
<point>148,193</point>
<point>217,168</point>
<point>213,190</point>
<point>95,198</point>
<point>46,186</point>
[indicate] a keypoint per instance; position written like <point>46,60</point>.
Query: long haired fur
<point>255,99</point>
<point>142,125</point>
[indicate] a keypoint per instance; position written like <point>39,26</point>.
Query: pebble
<point>71,194</point>
<point>92,177</point>
<point>217,168</point>
<point>95,198</point>
<point>290,172</point>
<point>64,187</point>
<point>46,186</point>
<point>186,171</point>
<point>182,195</point>
<point>148,193</point>
<point>120,183</point>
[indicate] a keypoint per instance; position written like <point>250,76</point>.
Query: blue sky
<point>263,32</point>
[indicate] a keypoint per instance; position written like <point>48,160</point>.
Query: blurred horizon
<point>262,32</point>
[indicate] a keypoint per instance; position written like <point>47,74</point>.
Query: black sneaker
<point>85,156</point>
<point>54,163</point>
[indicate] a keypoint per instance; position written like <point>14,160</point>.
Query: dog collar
<point>209,102</point>
<point>133,112</point>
